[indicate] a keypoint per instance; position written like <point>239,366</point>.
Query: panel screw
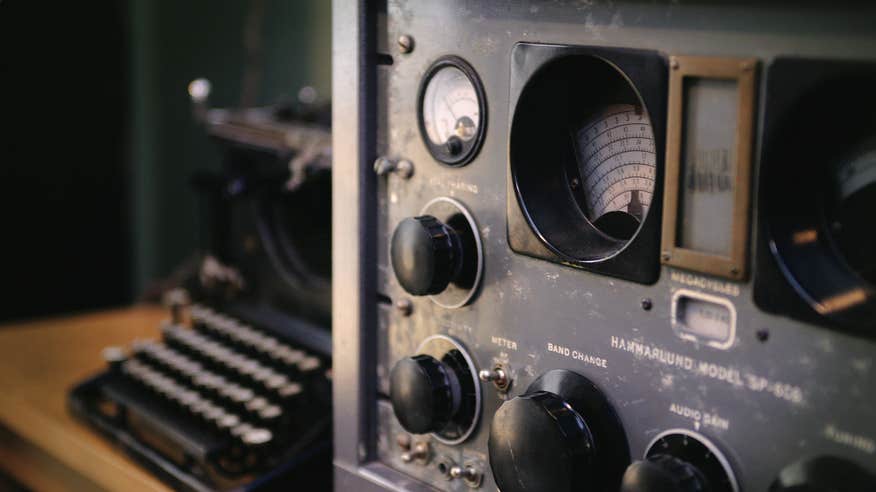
<point>647,304</point>
<point>383,165</point>
<point>747,66</point>
<point>574,183</point>
<point>763,334</point>
<point>420,453</point>
<point>666,256</point>
<point>673,63</point>
<point>403,168</point>
<point>404,307</point>
<point>403,441</point>
<point>405,43</point>
<point>734,271</point>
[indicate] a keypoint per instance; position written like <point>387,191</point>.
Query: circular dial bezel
<point>799,233</point>
<point>544,168</point>
<point>713,452</point>
<point>455,296</point>
<point>439,346</point>
<point>470,147</point>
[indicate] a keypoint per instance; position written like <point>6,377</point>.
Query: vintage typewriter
<point>237,392</point>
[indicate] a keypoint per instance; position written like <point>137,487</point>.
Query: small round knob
<point>663,473</point>
<point>425,393</point>
<point>823,474</point>
<point>426,255</point>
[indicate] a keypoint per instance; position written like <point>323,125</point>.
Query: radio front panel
<point>586,267</point>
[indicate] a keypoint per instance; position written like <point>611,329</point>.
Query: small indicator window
<point>707,178</point>
<point>703,318</point>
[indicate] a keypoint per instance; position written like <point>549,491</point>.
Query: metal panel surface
<point>766,401</point>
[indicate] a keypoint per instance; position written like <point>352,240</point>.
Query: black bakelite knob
<point>426,255</point>
<point>561,436</point>
<point>824,474</point>
<point>538,442</point>
<point>425,393</point>
<point>663,473</point>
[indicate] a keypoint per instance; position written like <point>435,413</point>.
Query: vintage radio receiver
<point>604,246</point>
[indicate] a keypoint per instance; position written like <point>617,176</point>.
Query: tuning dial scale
<point>438,253</point>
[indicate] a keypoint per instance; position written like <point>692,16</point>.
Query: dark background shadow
<point>97,141</point>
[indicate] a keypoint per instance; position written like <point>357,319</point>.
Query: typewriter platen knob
<point>427,254</point>
<point>425,393</point>
<point>560,436</point>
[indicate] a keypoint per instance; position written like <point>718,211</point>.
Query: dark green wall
<point>174,42</point>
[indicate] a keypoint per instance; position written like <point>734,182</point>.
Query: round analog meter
<point>616,164</point>
<point>452,111</point>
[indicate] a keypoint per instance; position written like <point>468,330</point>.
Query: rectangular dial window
<point>708,165</point>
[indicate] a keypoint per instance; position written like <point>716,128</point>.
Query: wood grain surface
<point>41,444</point>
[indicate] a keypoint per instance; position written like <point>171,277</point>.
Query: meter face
<point>616,161</point>
<point>451,113</point>
<point>450,107</point>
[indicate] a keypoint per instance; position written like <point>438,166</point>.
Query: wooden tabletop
<point>41,444</point>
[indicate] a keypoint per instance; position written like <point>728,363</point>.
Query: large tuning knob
<point>427,255</point>
<point>561,435</point>
<point>824,474</point>
<point>425,393</point>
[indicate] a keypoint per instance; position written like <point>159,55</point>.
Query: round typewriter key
<point>276,382</point>
<point>271,415</point>
<point>240,430</point>
<point>228,422</point>
<point>290,390</point>
<point>257,437</point>
<point>309,364</point>
<point>214,413</point>
<point>263,375</point>
<point>256,404</point>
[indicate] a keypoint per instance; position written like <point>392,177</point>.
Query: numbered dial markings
<point>452,111</point>
<point>450,107</point>
<point>616,163</point>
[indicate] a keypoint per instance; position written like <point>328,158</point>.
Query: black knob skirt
<point>425,393</point>
<point>561,435</point>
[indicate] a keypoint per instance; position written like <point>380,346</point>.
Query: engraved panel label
<point>577,355</point>
<point>862,443</point>
<point>726,288</point>
<point>700,417</point>
<point>729,374</point>
<point>504,343</point>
